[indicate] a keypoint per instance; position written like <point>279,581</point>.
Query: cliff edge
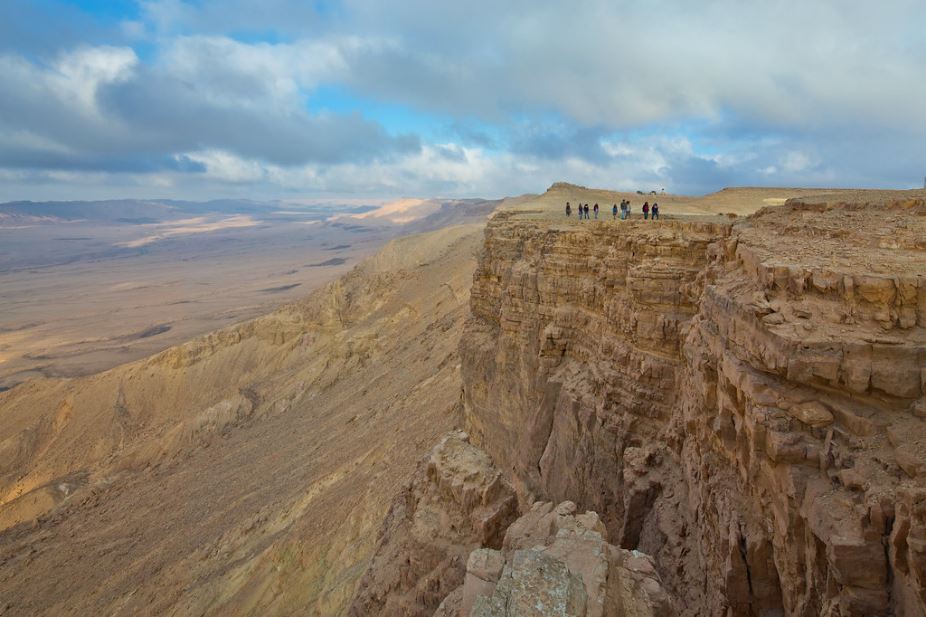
<point>741,399</point>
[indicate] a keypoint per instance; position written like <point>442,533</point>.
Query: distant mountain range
<point>139,211</point>
<point>432,214</point>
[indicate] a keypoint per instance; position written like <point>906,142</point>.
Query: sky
<point>364,99</point>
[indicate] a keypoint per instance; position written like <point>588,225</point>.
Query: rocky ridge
<point>457,501</point>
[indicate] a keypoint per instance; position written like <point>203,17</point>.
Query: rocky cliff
<point>741,399</point>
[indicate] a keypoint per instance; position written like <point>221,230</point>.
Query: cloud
<point>101,108</point>
<point>460,99</point>
<point>625,64</point>
<point>558,141</point>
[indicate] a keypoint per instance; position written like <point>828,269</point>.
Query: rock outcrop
<point>451,546</point>
<point>744,401</point>
<point>557,562</point>
<point>456,501</point>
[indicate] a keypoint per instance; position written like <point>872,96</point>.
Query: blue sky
<point>334,99</point>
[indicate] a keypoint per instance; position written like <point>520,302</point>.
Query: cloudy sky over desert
<point>362,99</point>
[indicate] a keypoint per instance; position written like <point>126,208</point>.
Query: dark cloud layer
<point>176,118</point>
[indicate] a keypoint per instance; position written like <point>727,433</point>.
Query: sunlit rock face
<point>456,501</point>
<point>555,561</point>
<point>742,400</point>
<point>453,545</point>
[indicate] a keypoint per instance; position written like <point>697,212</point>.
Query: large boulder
<point>556,562</point>
<point>457,501</point>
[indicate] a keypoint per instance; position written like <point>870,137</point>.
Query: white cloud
<point>227,167</point>
<point>230,72</point>
<point>796,161</point>
<point>789,63</point>
<point>100,108</point>
<point>78,75</point>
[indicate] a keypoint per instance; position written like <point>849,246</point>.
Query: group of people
<point>583,210</point>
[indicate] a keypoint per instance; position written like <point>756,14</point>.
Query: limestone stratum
<point>722,412</point>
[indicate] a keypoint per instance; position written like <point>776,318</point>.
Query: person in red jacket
<point>646,210</point>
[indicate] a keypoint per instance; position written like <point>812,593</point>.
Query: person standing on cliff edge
<point>585,210</point>
<point>568,209</point>
<point>614,211</point>
<point>596,212</point>
<point>645,210</point>
<point>655,211</point>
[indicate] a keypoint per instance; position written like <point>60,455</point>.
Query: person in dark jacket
<point>645,210</point>
<point>585,209</point>
<point>655,211</point>
<point>614,210</point>
<point>568,209</point>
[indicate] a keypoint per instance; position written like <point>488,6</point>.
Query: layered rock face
<point>742,400</point>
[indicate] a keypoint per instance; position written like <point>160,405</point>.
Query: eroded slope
<point>246,471</point>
